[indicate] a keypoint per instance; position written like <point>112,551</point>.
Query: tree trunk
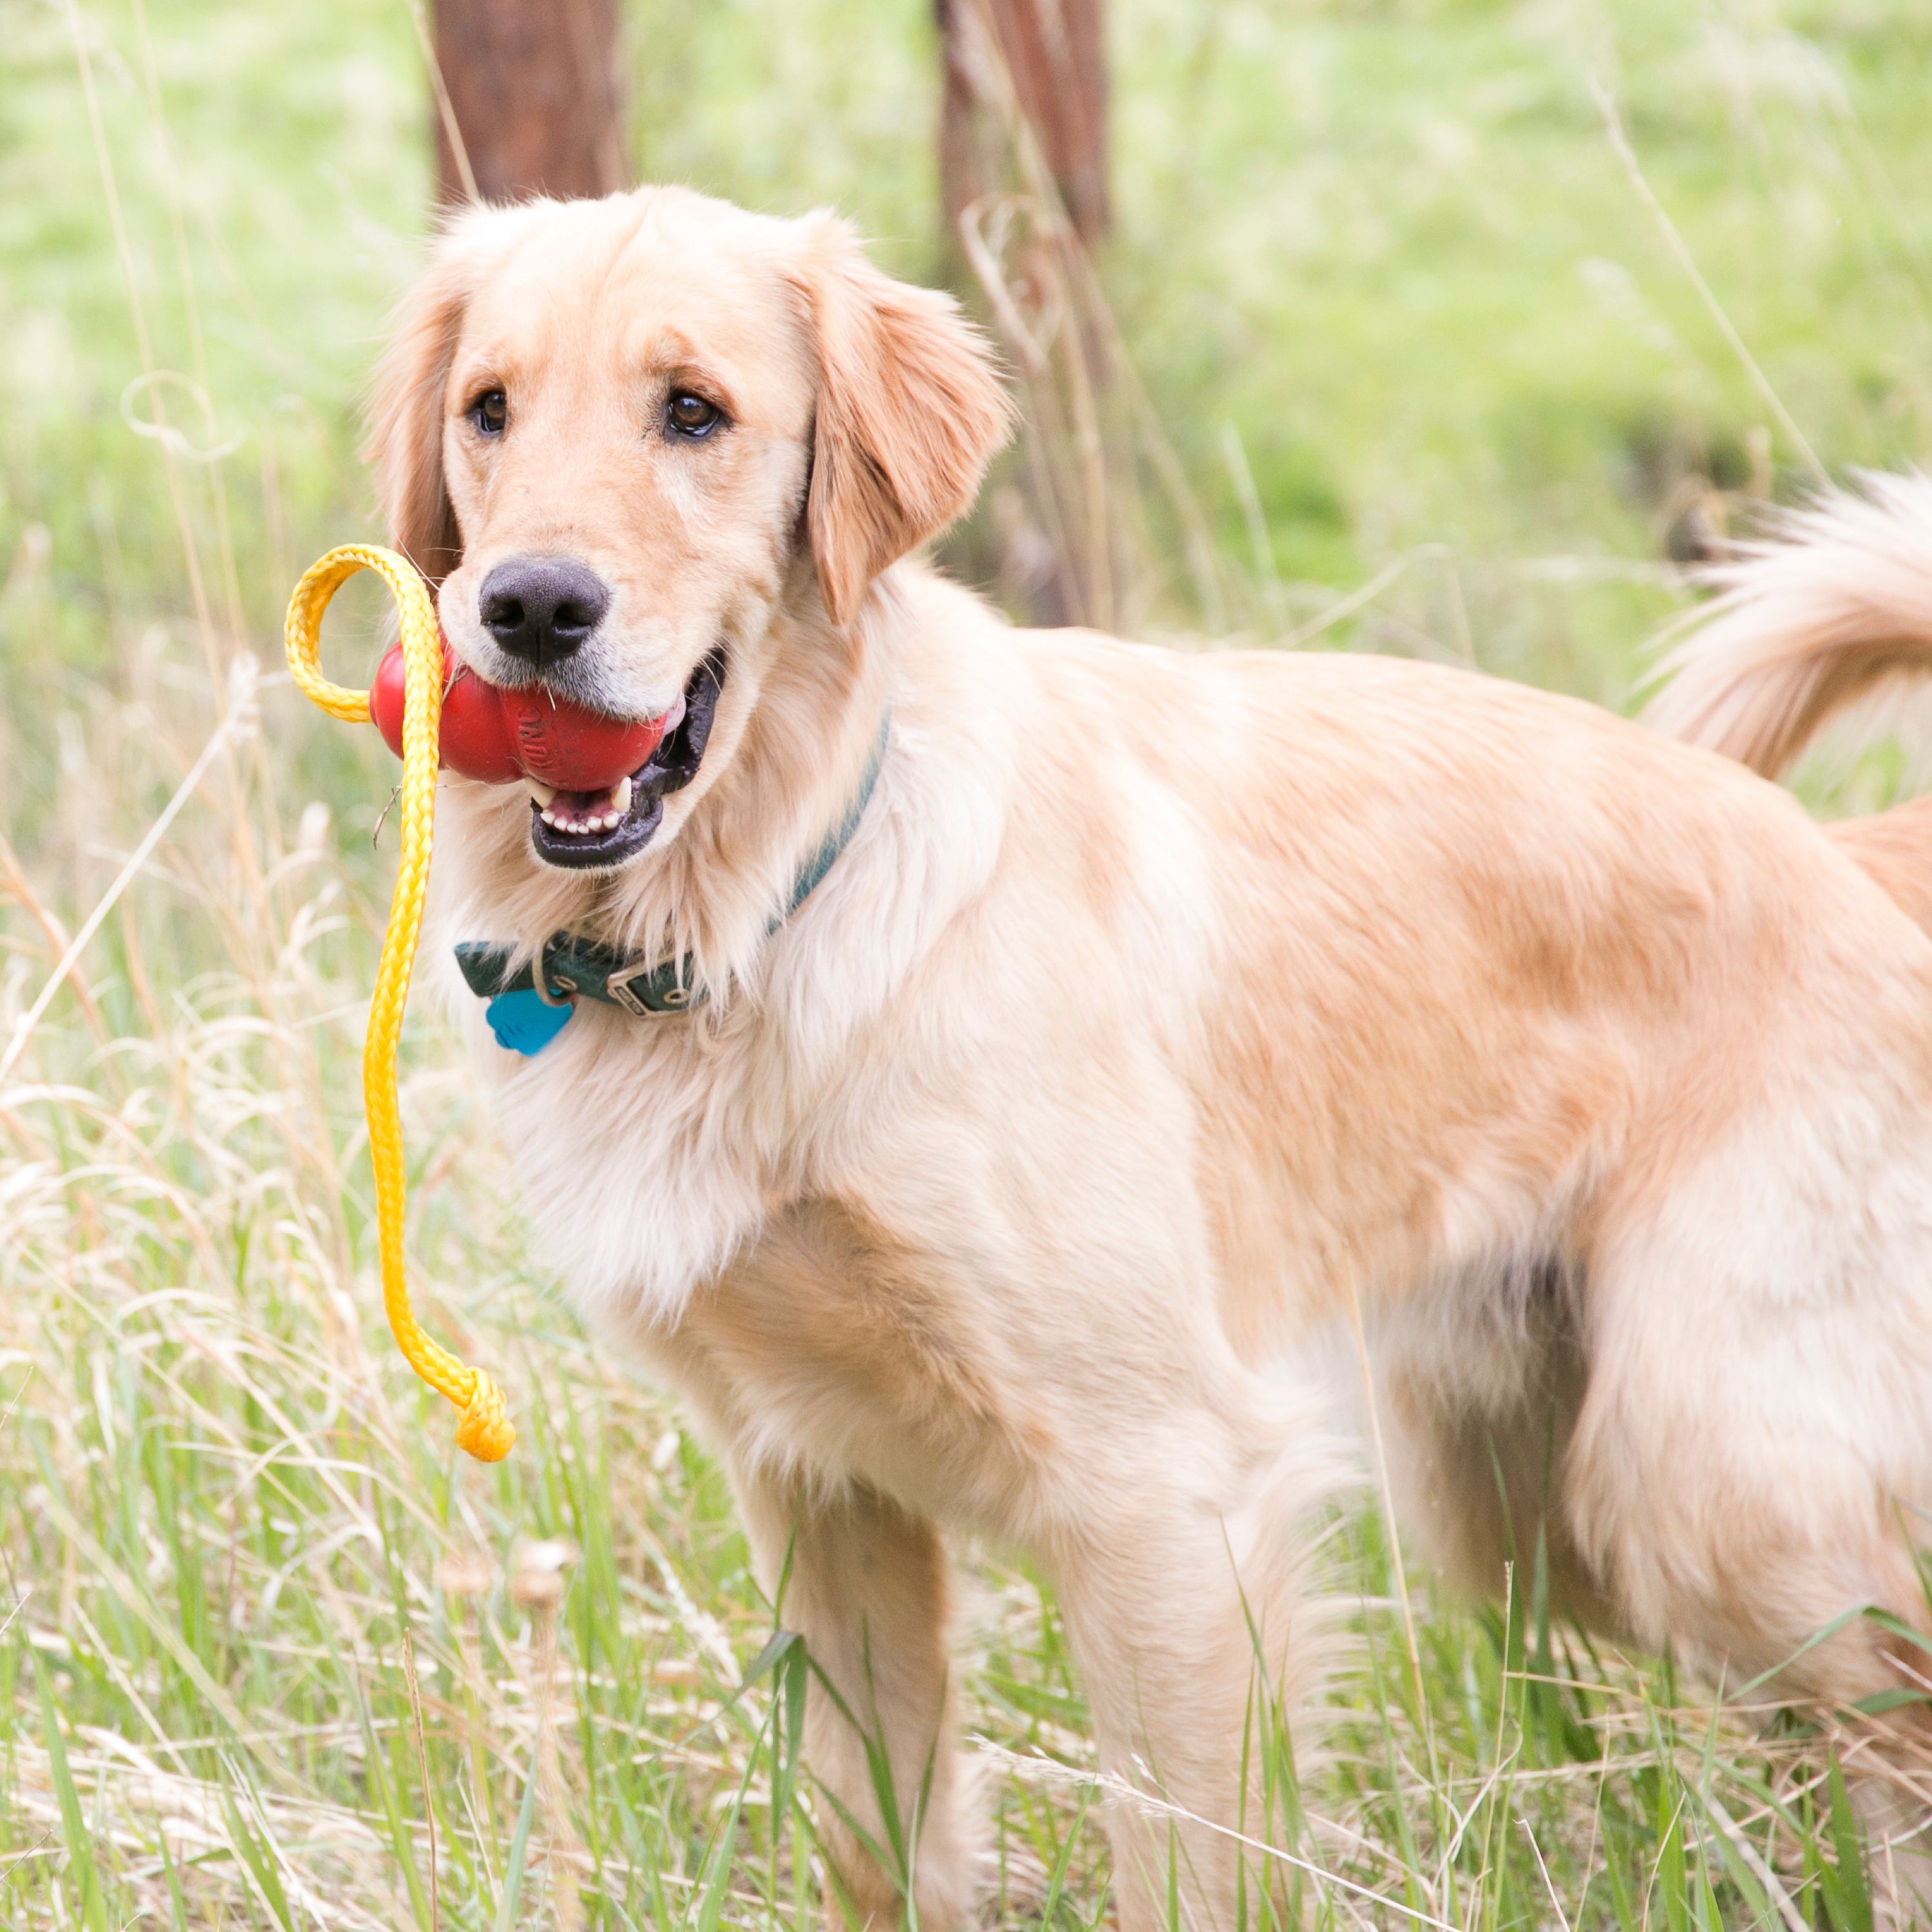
<point>535,92</point>
<point>1045,61</point>
<point>1023,173</point>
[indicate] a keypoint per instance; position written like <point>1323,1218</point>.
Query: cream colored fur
<point>1163,1011</point>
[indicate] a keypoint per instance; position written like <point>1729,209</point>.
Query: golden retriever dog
<point>1160,1024</point>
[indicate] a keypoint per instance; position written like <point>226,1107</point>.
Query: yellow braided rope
<point>485,1429</point>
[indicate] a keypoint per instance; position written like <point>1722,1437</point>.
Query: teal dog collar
<point>526,1013</point>
<point>572,966</point>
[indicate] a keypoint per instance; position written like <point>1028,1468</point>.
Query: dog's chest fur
<point>758,1234</point>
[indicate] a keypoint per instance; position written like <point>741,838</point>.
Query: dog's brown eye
<point>690,414</point>
<point>490,412</point>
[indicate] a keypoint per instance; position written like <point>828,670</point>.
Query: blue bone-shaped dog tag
<point>524,1023</point>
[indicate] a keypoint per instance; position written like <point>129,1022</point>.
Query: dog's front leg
<point>866,1585</point>
<point>1183,1593</point>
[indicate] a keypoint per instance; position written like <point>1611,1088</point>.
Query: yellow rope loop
<point>485,1429</point>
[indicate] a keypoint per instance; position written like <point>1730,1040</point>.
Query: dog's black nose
<point>541,608</point>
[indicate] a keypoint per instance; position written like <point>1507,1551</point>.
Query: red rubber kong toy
<point>500,736</point>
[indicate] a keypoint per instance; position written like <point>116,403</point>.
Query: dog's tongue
<point>503,736</point>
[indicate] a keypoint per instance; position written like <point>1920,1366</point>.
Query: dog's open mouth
<point>601,830</point>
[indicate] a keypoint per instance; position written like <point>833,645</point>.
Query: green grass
<point>1382,254</point>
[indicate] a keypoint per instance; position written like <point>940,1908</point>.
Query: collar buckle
<point>672,1000</point>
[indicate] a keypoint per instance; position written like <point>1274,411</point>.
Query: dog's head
<point>623,436</point>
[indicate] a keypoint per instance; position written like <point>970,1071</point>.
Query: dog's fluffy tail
<point>1834,606</point>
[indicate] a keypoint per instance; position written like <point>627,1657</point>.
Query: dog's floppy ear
<point>909,411</point>
<point>404,443</point>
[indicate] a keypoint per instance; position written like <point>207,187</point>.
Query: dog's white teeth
<point>610,813</point>
<point>543,793</point>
